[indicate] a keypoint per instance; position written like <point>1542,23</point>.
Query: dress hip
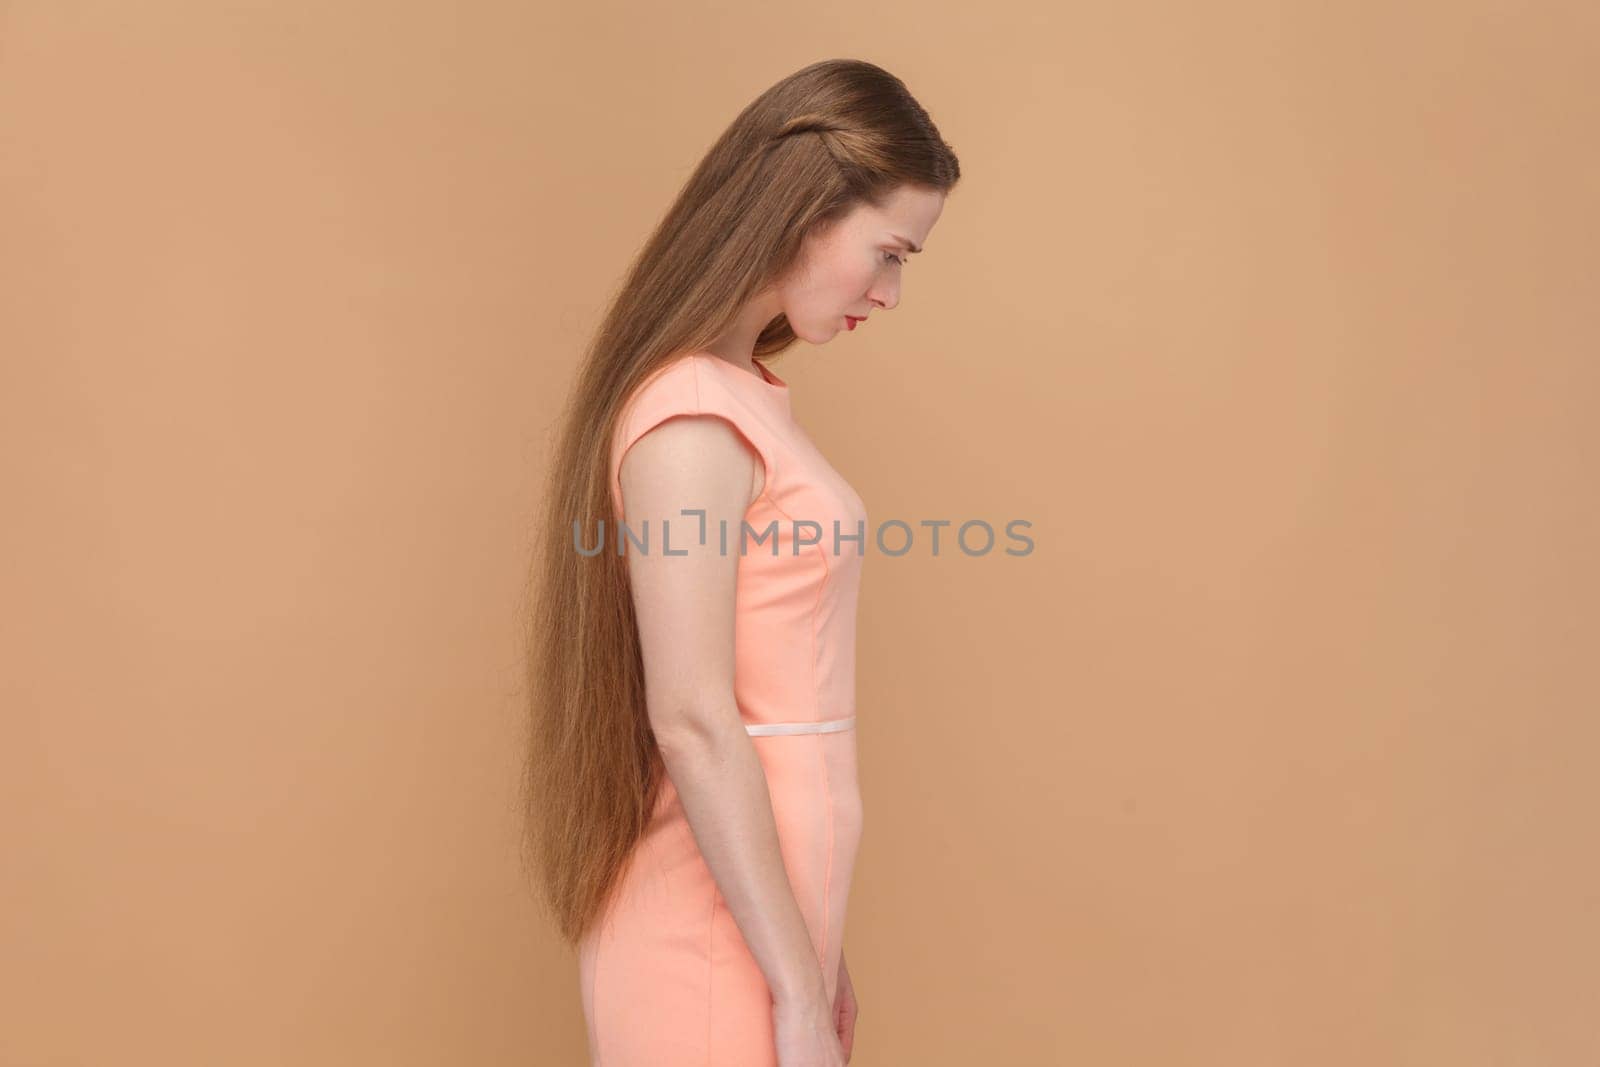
<point>666,977</point>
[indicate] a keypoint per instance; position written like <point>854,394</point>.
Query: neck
<point>737,344</point>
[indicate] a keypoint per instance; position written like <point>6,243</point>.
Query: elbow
<point>694,725</point>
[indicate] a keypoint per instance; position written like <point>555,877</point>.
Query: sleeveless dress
<point>665,976</point>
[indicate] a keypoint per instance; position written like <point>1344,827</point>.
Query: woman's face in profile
<point>855,266</point>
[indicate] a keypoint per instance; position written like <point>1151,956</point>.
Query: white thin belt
<point>825,726</point>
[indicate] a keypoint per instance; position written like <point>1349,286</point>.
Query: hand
<point>804,1035</point>
<point>844,1010</point>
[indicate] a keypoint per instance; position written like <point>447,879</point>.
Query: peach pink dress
<point>666,978</point>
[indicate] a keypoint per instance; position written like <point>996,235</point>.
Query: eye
<point>895,258</point>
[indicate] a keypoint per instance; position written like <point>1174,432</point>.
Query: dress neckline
<point>769,377</point>
<point>774,384</point>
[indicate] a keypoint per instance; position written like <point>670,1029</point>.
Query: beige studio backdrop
<point>1276,321</point>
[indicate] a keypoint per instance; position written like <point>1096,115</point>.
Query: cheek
<point>835,285</point>
<point>853,275</point>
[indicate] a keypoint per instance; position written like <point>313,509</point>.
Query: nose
<point>885,296</point>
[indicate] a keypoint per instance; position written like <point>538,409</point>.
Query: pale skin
<point>685,609</point>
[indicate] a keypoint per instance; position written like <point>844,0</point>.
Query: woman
<point>693,806</point>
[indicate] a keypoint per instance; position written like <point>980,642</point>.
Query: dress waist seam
<point>821,726</point>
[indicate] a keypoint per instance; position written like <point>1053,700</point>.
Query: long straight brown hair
<point>806,152</point>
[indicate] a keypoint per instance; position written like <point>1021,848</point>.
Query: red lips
<point>851,320</point>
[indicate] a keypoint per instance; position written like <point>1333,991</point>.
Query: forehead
<point>909,212</point>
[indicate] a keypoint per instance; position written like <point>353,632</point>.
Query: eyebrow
<point>908,244</point>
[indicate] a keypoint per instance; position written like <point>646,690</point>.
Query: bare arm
<point>685,607</point>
